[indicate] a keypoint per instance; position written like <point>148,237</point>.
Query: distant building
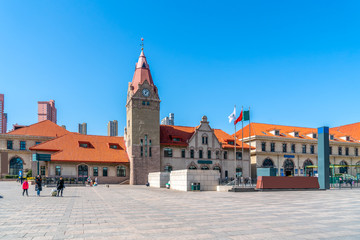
<point>3,116</point>
<point>47,111</point>
<point>83,128</point>
<point>170,120</point>
<point>17,126</point>
<point>112,128</point>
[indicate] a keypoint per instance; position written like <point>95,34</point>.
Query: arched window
<point>217,168</point>
<point>309,171</point>
<point>204,139</point>
<point>121,171</point>
<point>204,168</point>
<point>289,167</point>
<point>343,169</point>
<point>16,164</point>
<point>192,167</point>
<point>168,168</point>
<point>268,163</point>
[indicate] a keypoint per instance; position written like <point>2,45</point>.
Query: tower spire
<point>142,44</point>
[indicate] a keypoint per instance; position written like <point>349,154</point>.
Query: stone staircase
<point>126,182</point>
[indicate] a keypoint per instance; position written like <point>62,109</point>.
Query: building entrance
<point>289,167</point>
<point>82,173</point>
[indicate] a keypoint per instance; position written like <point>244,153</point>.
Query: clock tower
<point>142,132</point>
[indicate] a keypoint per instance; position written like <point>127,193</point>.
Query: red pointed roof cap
<point>142,72</point>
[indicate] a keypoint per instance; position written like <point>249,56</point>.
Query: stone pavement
<point>137,212</point>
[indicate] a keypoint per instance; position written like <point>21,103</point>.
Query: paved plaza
<point>137,212</point>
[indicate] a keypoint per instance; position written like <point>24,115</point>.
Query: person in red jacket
<point>25,187</point>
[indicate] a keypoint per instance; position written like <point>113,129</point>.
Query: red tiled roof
<point>169,132</point>
<point>142,73</point>
<point>44,129</point>
<point>67,148</point>
<point>263,129</point>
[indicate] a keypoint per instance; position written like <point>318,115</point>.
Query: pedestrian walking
<point>38,187</point>
<point>96,181</point>
<point>60,186</point>
<point>25,187</point>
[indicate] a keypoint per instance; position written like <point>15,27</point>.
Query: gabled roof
<point>169,132</point>
<point>67,148</point>
<point>263,129</point>
<point>44,129</point>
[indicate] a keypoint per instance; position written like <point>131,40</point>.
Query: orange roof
<point>352,130</point>
<point>223,138</point>
<point>67,148</point>
<point>44,128</point>
<point>170,135</point>
<point>263,129</point>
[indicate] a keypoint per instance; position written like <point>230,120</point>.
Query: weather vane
<point>142,44</point>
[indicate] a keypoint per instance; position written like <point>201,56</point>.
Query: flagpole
<point>249,148</point>
<point>235,146</point>
<point>242,141</point>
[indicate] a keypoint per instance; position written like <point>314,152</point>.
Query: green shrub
<point>29,173</point>
<point>11,176</point>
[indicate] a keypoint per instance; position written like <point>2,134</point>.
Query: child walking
<point>25,187</point>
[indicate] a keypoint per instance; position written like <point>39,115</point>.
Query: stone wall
<point>158,179</point>
<point>181,179</point>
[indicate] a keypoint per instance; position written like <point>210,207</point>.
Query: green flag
<point>246,116</point>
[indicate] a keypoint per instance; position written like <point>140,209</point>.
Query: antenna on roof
<point>142,44</point>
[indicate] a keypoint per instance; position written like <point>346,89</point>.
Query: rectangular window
<point>58,171</point>
<point>141,148</point>
<point>312,149</point>
<point>303,148</point>
<point>209,154</point>
<point>204,140</point>
<point>356,152</point>
<point>146,141</point>
<point>340,150</point>
<point>42,170</point>
<point>22,145</point>
<point>296,134</point>
<point>150,154</point>
<point>347,151</point>
<point>225,155</point>
<point>330,150</point>
<point>272,147</point>
<point>217,155</point>
<point>263,146</point>
<point>293,148</point>
<point>95,171</point>
<point>284,147</point>
<point>183,153</point>
<point>277,132</point>
<point>36,143</point>
<point>105,171</point>
<point>238,155</point>
<point>314,135</point>
<point>192,153</point>
<point>9,144</point>
<point>168,152</point>
<point>200,154</point>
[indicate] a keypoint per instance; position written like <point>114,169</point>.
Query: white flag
<point>232,115</point>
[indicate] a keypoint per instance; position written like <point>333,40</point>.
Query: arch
<point>192,166</point>
<point>308,171</point>
<point>268,163</point>
<point>121,171</point>
<point>15,165</point>
<point>343,169</point>
<point>205,167</point>
<point>217,167</point>
<point>289,167</point>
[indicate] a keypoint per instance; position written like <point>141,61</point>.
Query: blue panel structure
<point>266,172</point>
<point>323,158</point>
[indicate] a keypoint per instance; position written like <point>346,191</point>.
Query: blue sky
<point>293,62</point>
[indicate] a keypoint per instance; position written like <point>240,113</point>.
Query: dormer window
<point>114,146</point>
<point>314,135</point>
<point>347,138</point>
<point>277,133</point>
<point>296,134</point>
<point>85,145</point>
<point>230,142</point>
<point>176,139</point>
<point>331,137</point>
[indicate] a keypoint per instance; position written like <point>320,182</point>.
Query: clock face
<point>145,92</point>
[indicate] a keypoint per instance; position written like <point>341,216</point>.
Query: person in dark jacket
<point>38,187</point>
<point>60,186</point>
